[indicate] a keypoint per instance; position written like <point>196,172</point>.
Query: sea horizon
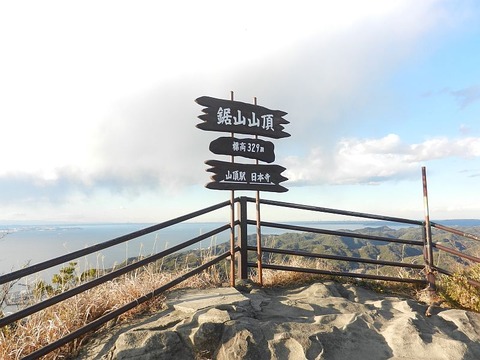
<point>5,223</point>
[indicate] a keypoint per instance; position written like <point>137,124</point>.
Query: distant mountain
<point>350,246</point>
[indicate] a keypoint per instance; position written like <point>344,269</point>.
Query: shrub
<point>458,291</point>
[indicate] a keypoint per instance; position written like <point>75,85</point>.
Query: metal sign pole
<point>232,222</point>
<point>259,230</point>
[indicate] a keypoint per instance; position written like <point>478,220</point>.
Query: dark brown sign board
<point>236,176</point>
<point>248,148</point>
<point>239,117</point>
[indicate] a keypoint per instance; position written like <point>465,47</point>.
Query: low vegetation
<point>55,322</point>
<point>46,326</point>
<point>459,291</point>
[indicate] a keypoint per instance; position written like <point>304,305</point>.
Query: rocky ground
<point>319,321</point>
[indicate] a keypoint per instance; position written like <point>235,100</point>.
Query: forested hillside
<point>351,247</point>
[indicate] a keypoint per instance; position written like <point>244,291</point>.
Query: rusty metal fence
<point>450,250</point>
<point>239,251</point>
<point>24,313</point>
<point>244,222</point>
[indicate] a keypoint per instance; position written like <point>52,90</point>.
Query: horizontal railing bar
<point>110,276</point>
<point>94,248</point>
<point>443,271</point>
<point>337,257</point>
<point>455,231</point>
<point>337,273</point>
<point>112,315</point>
<point>473,283</point>
<point>336,211</point>
<point>336,233</point>
<point>456,252</point>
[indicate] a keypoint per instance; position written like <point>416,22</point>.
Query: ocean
<point>24,245</point>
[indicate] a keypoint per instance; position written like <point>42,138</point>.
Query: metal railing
<point>244,265</point>
<point>22,314</point>
<point>439,247</point>
<point>352,235</point>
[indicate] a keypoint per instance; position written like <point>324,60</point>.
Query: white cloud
<point>443,147</point>
<point>361,161</point>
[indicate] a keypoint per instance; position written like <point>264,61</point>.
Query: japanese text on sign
<point>248,148</point>
<point>240,146</point>
<point>225,117</point>
<point>236,176</point>
<point>241,118</point>
<point>241,177</point>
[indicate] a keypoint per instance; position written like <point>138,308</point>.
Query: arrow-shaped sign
<point>248,148</point>
<point>235,176</point>
<point>239,117</point>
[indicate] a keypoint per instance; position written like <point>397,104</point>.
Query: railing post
<point>259,240</point>
<point>428,253</point>
<point>232,222</point>
<point>242,239</point>
<point>259,228</point>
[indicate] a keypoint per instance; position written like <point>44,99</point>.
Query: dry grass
<point>290,278</point>
<point>55,322</point>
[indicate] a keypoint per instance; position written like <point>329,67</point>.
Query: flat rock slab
<point>193,300</point>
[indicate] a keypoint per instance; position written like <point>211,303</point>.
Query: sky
<point>98,115</point>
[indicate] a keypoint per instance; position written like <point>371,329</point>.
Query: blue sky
<point>98,115</point>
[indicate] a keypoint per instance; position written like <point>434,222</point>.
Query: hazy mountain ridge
<point>372,249</point>
<point>350,247</point>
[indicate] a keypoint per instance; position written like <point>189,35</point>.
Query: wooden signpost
<point>242,118</point>
<point>238,117</point>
